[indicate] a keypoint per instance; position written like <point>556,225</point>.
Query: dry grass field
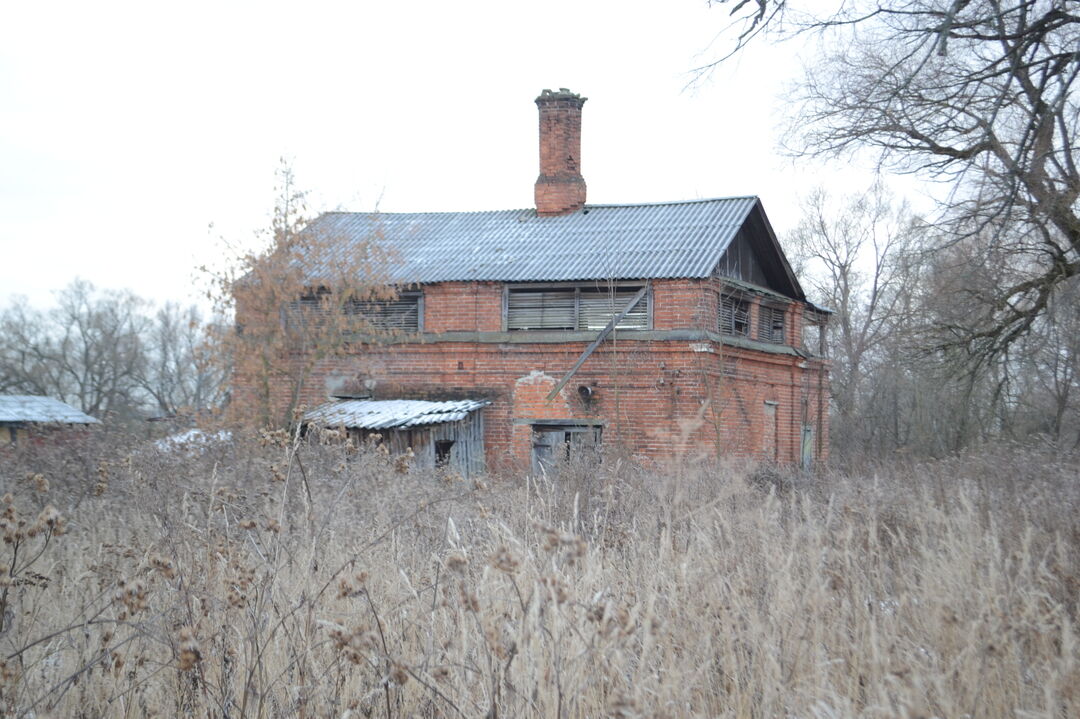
<point>260,578</point>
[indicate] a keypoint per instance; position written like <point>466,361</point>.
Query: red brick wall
<point>463,307</point>
<point>659,399</point>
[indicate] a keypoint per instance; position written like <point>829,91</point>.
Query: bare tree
<point>860,258</point>
<point>299,301</point>
<point>978,95</point>
<point>87,351</point>
<point>180,374</point>
<point>103,352</point>
<point>1050,395</point>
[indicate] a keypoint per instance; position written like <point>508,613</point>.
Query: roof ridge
<point>700,200</point>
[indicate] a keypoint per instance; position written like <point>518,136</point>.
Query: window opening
<point>771,324</point>
<point>734,316</point>
<point>573,308</point>
<point>400,314</point>
<point>442,452</point>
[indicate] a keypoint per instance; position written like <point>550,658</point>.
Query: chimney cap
<point>562,94</point>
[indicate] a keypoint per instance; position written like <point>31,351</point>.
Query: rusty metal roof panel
<point>33,408</point>
<point>390,413</point>
<point>663,240</point>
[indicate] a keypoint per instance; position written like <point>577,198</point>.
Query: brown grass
<point>266,579</point>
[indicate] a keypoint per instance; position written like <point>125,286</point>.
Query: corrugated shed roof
<point>390,413</point>
<point>32,408</point>
<point>664,240</point>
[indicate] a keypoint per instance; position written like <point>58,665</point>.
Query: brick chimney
<point>560,188</point>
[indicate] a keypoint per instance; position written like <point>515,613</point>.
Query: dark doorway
<point>442,452</point>
<point>554,445</point>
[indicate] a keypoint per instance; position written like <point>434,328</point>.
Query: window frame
<point>601,287</point>
<point>739,298</point>
<point>315,295</point>
<point>418,295</point>
<point>772,309</point>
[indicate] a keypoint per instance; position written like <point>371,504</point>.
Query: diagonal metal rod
<point>599,339</point>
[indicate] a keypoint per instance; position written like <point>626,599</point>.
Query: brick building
<point>663,328</point>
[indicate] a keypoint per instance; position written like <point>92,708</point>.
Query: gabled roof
<point>599,242</point>
<point>390,413</point>
<point>32,408</point>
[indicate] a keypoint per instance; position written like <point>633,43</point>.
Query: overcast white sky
<point>127,129</point>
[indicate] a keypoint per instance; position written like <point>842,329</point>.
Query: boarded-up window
<point>734,316</point>
<point>771,324</point>
<point>597,307</point>
<point>574,308</point>
<point>541,309</point>
<point>401,314</point>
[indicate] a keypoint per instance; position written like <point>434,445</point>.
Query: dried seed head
<point>274,438</point>
<point>554,589</point>
<point>12,525</point>
<point>132,596</point>
<point>189,649</point>
<point>247,524</point>
<point>352,586</point>
<point>399,674</point>
<point>38,480</point>
<point>9,672</point>
<point>51,520</point>
<point>550,538</point>
<point>163,565</point>
<point>456,561</point>
<point>504,560</point>
<point>469,600</point>
<point>576,548</point>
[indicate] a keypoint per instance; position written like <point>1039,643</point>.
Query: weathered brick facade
<point>673,390</point>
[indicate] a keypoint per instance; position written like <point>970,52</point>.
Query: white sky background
<point>127,129</point>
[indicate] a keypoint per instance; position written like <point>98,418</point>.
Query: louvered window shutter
<point>597,307</point>
<point>771,324</point>
<point>540,309</point>
<point>308,311</point>
<point>401,314</point>
<point>734,316</point>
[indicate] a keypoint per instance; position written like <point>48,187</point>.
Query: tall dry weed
<point>270,577</point>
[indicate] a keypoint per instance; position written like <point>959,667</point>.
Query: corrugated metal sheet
<point>390,413</point>
<point>32,408</point>
<point>666,240</point>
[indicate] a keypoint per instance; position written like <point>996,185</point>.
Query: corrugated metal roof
<point>390,413</point>
<point>31,408</point>
<point>664,240</point>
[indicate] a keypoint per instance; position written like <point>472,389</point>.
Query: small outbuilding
<point>27,417</point>
<point>439,434</point>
